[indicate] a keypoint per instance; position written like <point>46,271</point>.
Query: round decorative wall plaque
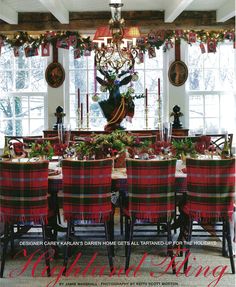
<point>55,75</point>
<point>178,73</point>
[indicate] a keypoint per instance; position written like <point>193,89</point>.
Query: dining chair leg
<point>180,242</point>
<point>131,231</point>
<point>228,238</point>
<point>68,233</point>
<point>109,249</point>
<point>72,228</point>
<point>127,225</point>
<point>4,251</point>
<point>121,215</point>
<point>58,209</point>
<point>158,228</point>
<point>12,239</point>
<point>184,223</point>
<point>188,244</point>
<point>127,230</point>
<point>111,234</point>
<point>224,252</point>
<point>47,262</point>
<point>170,246</point>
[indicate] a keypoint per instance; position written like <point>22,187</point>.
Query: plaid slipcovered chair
<point>151,196</point>
<point>87,197</point>
<point>23,194</point>
<point>210,196</point>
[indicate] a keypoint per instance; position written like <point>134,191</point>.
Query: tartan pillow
<point>23,191</point>
<point>211,189</point>
<point>87,189</point>
<point>151,188</point>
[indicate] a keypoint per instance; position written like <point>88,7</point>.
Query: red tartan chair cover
<point>211,189</point>
<point>151,197</point>
<point>151,188</point>
<point>23,191</point>
<point>87,189</point>
<point>87,196</point>
<point>210,197</point>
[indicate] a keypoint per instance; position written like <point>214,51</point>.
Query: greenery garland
<point>156,38</point>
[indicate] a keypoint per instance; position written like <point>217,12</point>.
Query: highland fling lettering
<point>158,266</point>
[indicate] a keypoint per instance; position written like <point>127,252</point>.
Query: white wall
<point>55,97</point>
<point>176,95</point>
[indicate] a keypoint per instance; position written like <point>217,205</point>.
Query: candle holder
<point>79,119</point>
<point>146,118</point>
<point>159,114</point>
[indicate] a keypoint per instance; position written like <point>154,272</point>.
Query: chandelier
<point>116,45</point>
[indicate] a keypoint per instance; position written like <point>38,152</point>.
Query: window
<point>211,88</point>
<point>22,94</point>
<point>82,74</point>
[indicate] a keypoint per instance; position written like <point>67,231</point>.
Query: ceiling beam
<point>8,14</point>
<point>175,9</point>
<point>226,11</point>
<point>89,21</point>
<point>58,10</point>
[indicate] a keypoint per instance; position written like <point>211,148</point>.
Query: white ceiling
<point>225,9</point>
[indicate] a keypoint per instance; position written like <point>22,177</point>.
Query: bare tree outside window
<point>22,92</point>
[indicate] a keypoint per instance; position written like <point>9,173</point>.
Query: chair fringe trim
<point>24,219</point>
<point>210,216</point>
<point>97,218</point>
<point>151,217</point>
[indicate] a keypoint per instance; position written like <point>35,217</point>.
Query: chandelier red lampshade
<point>102,33</point>
<point>113,51</point>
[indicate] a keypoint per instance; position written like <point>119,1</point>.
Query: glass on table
<point>167,131</point>
<point>60,130</point>
<point>160,136</point>
<point>67,134</point>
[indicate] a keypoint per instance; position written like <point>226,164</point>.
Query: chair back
<point>87,189</point>
<point>23,191</point>
<point>218,140</point>
<point>151,188</point>
<point>211,189</point>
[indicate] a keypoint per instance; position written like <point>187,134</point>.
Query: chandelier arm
<point>114,57</point>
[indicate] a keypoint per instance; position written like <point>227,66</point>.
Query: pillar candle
<point>87,103</point>
<point>81,112</point>
<point>78,98</point>
<point>146,97</point>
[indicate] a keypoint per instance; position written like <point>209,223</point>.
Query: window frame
<point>13,93</point>
<point>219,93</point>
